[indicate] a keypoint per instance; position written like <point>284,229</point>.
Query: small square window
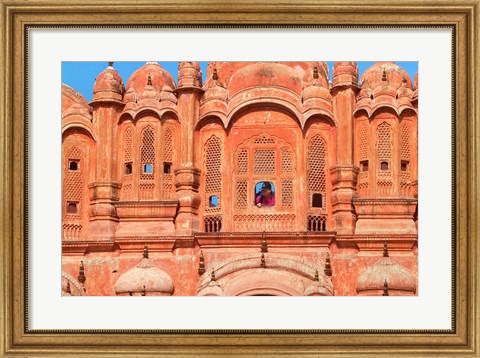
<point>167,168</point>
<point>73,165</point>
<point>264,194</point>
<point>364,165</point>
<point>213,201</point>
<point>72,208</point>
<point>128,168</point>
<point>404,166</point>
<point>148,168</point>
<point>317,200</point>
<point>384,165</point>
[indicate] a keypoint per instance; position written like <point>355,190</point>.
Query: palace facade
<point>162,181</point>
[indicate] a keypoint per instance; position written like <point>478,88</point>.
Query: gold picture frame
<point>17,340</point>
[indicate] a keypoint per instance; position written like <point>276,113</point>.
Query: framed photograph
<point>162,162</point>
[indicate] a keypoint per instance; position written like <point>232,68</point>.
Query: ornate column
<point>344,173</point>
<point>104,190</point>
<point>187,177</point>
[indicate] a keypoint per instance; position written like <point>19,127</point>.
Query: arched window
<point>73,192</point>
<point>384,158</point>
<point>264,160</point>
<point>317,184</point>
<point>73,184</point>
<point>363,144</point>
<point>363,175</point>
<point>168,188</point>
<point>128,163</point>
<point>213,176</point>
<point>405,159</point>
<point>213,185</point>
<point>267,162</point>
<point>147,165</point>
<point>147,154</point>
<point>317,176</point>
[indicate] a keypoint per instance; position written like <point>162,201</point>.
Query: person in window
<point>266,196</point>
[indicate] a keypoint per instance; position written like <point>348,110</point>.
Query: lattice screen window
<point>287,161</point>
<point>317,176</point>
<point>242,161</point>
<point>147,154</point>
<point>405,159</point>
<point>213,176</point>
<point>363,176</point>
<point>168,191</point>
<point>384,158</point>
<point>241,190</point>
<point>128,145</point>
<point>264,161</point>
<point>405,148</point>
<point>384,148</point>
<point>168,145</point>
<point>127,162</point>
<point>287,193</point>
<point>363,146</point>
<point>264,140</point>
<point>73,185</point>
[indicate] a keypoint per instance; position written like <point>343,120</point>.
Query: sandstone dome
<point>385,73</point>
<point>148,81</point>
<point>108,85</point>
<point>145,277</point>
<point>266,74</point>
<point>397,277</point>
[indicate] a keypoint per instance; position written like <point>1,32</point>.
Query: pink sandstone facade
<point>160,181</point>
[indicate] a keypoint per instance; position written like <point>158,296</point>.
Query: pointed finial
<point>144,291</point>
<point>385,249</point>
<point>68,289</point>
<point>212,277</point>
<point>384,75</point>
<point>316,278</point>
<point>264,243</point>
<point>262,261</point>
<point>145,251</point>
<point>315,72</point>
<point>215,74</point>
<point>110,63</point>
<point>385,288</point>
<point>149,79</point>
<point>201,264</point>
<point>81,273</point>
<point>328,267</point>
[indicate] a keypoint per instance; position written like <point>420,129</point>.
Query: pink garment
<point>264,201</point>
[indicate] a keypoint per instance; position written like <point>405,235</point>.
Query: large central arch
<point>263,281</point>
<point>269,274</point>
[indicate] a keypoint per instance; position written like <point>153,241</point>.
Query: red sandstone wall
<point>252,100</point>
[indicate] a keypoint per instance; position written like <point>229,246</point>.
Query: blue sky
<point>81,75</point>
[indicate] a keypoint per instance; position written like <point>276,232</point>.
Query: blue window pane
<point>148,168</point>
<point>213,201</point>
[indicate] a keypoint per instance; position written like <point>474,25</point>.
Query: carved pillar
<point>344,174</point>
<point>104,190</point>
<point>344,183</point>
<point>187,177</point>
